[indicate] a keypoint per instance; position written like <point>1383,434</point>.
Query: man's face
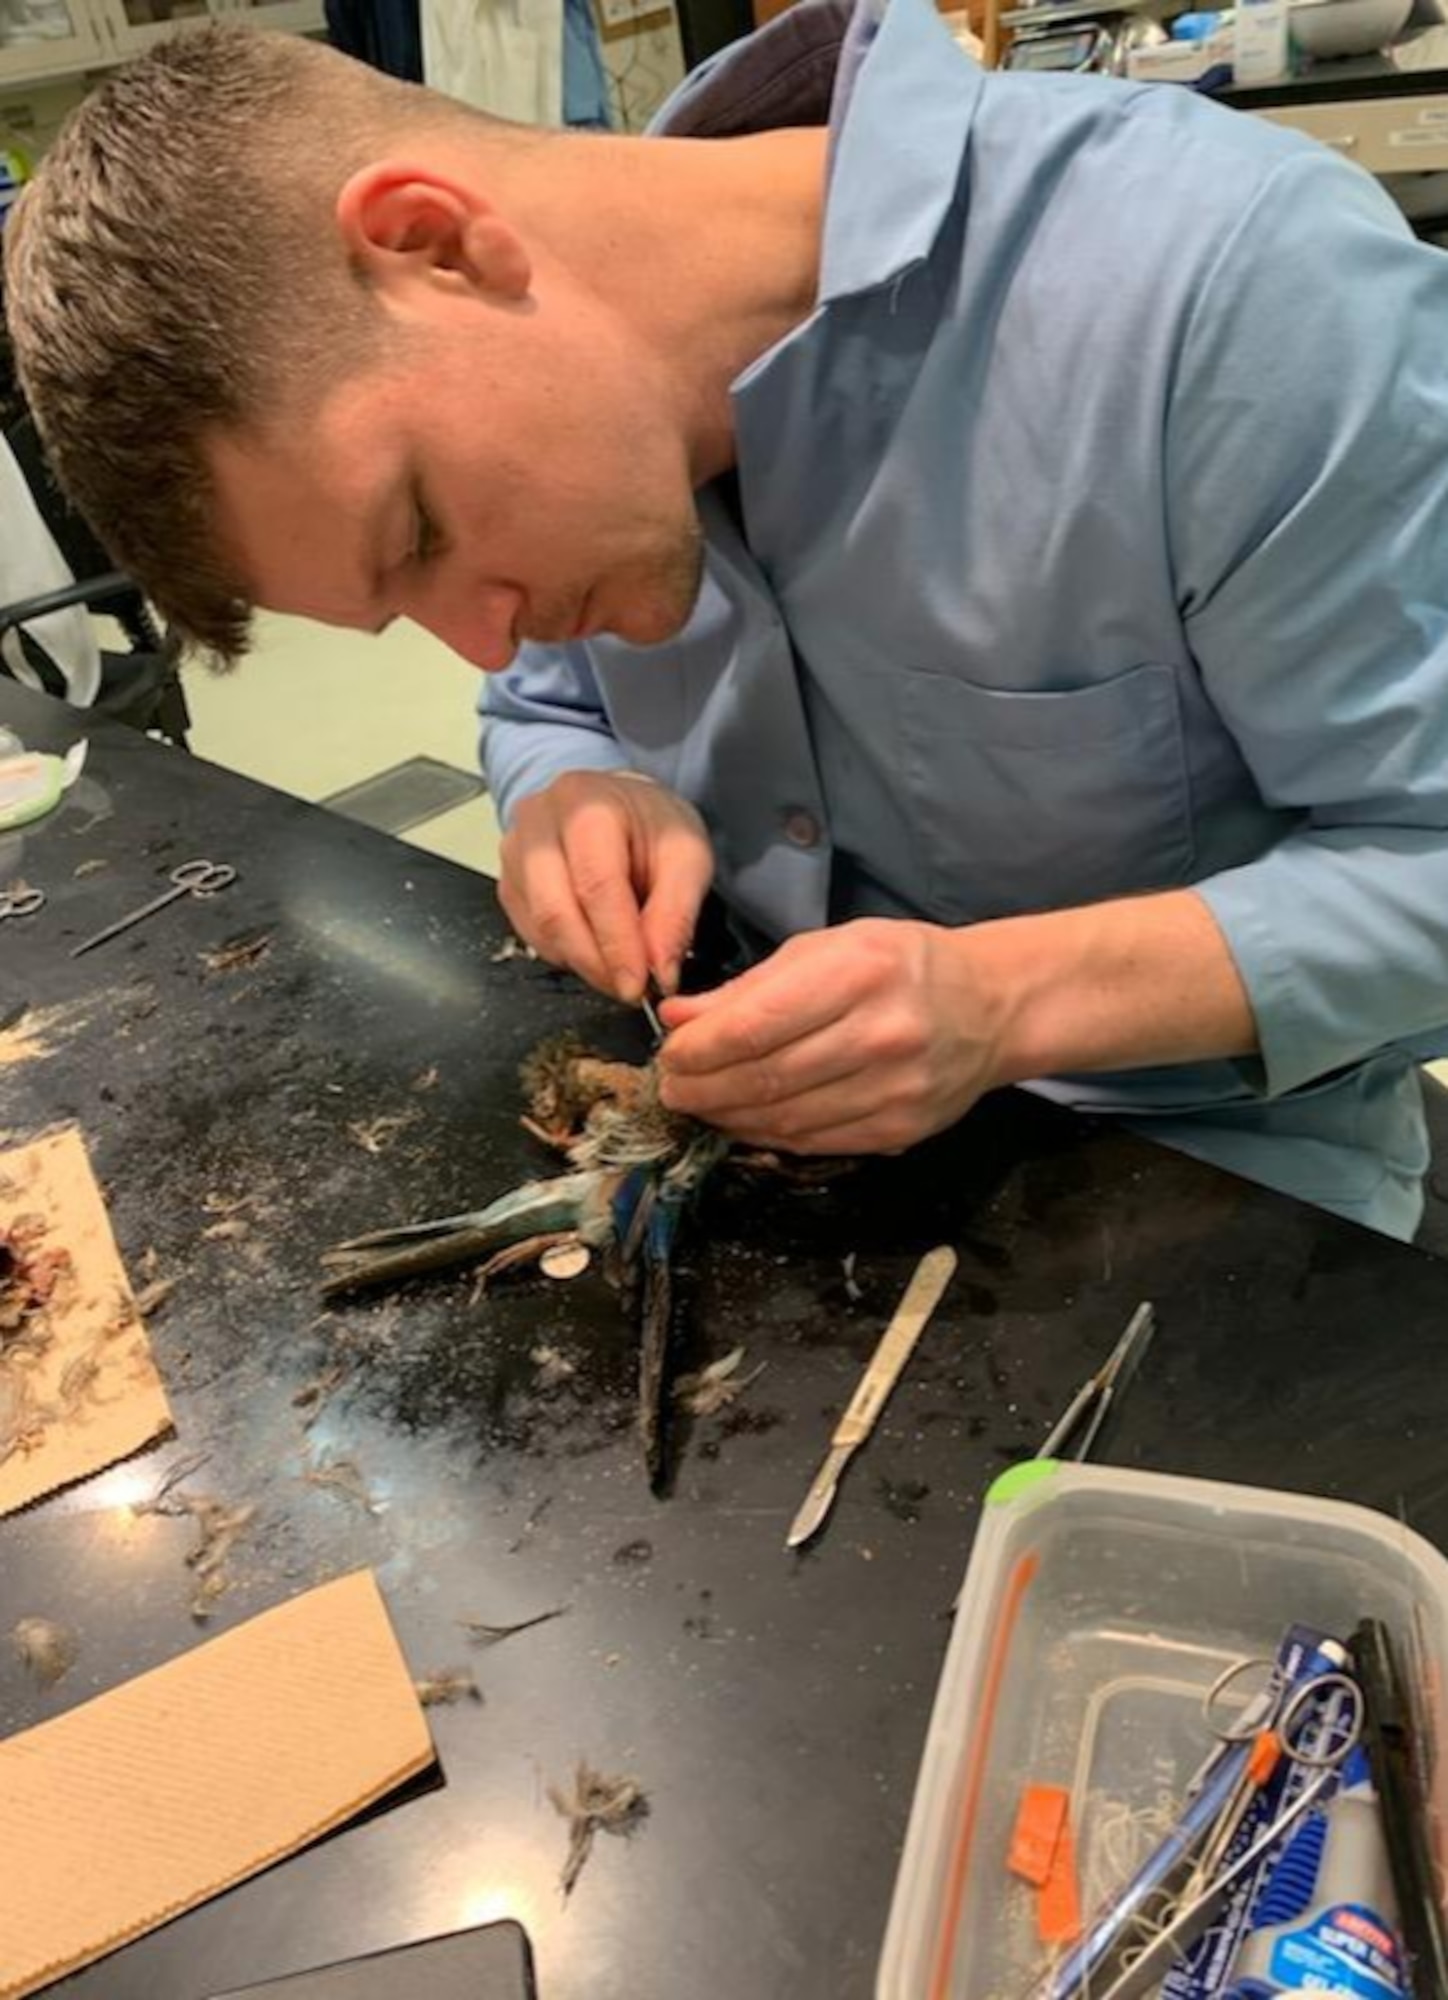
<point>496,472</point>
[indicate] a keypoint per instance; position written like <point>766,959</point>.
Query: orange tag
<point>1265,1757</point>
<point>1038,1832</point>
<point>1058,1907</point>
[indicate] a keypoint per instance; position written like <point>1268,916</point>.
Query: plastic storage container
<point>1099,1608</point>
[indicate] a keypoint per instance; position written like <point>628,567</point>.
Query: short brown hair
<point>172,264</point>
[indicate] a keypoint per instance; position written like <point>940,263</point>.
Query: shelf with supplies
<point>1388,113</point>
<point>42,41</point>
<point>1065,13</point>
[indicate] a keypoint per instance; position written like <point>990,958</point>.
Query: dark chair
<point>140,686</point>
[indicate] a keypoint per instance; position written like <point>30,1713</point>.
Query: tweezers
<point>1395,1743</point>
<point>1079,1429</point>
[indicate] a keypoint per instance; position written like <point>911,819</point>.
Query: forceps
<point>1079,1429</point>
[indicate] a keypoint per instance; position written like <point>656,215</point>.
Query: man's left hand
<point>861,1039</point>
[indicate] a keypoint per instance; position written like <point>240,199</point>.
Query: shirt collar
<point>899,96</point>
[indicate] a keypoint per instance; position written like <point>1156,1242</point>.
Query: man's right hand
<point>605,872</point>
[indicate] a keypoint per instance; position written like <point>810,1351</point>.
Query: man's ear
<point>401,224</point>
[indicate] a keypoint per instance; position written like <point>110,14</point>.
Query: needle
<point>651,1015</point>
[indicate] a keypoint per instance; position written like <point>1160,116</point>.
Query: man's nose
<point>480,624</point>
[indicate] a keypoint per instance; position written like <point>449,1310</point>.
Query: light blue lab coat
<point>1096,542</point>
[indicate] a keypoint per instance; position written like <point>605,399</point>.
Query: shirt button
<point>801,828</point>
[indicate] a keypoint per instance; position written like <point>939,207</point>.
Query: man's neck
<point>708,249</point>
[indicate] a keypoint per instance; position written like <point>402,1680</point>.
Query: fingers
<point>537,895</point>
<point>749,1090</point>
<point>755,1017</point>
<point>838,1043</point>
<point>800,1122</point>
<point>606,876</point>
<point>682,867</point>
<point>566,884</point>
<point>600,857</point>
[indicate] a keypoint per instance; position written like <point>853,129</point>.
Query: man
<point>999,536</point>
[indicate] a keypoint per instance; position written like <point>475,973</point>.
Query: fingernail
<point>669,976</point>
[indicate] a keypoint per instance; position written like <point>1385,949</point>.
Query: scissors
<point>192,878</point>
<point>1313,1724</point>
<point>20,902</point>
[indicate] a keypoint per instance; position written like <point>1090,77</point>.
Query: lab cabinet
<point>40,39</point>
<point>43,38</point>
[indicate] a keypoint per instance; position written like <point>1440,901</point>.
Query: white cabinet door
<point>40,38</point>
<point>47,38</point>
<point>303,17</point>
<point>133,25</point>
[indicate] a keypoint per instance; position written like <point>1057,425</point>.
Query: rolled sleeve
<point>1307,464</point>
<point>540,718</point>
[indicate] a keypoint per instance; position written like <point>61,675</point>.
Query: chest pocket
<point>1028,802</point>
